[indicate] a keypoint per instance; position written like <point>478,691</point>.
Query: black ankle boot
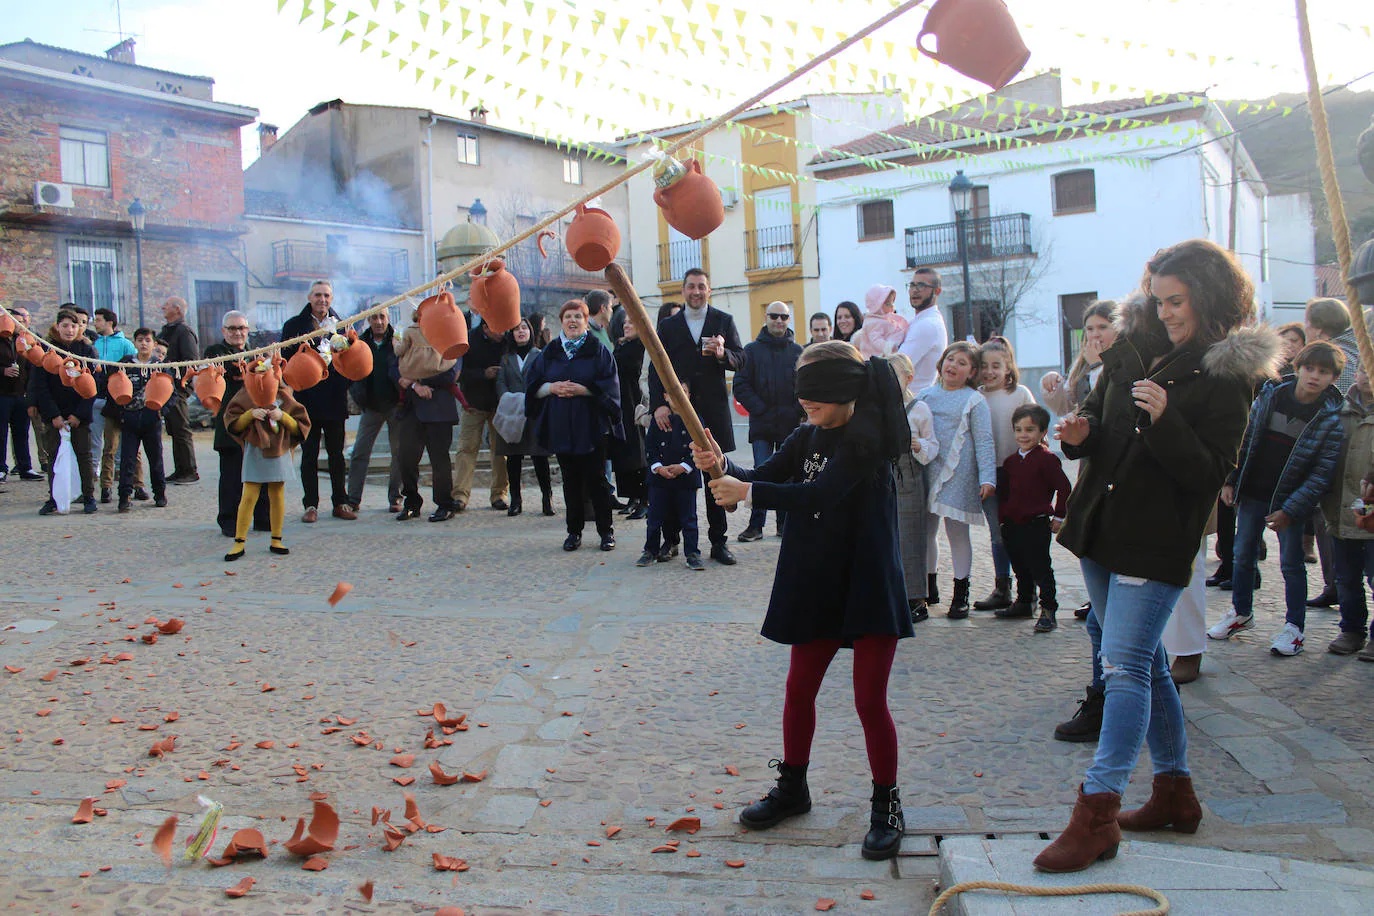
<point>1086,724</point>
<point>548,503</point>
<point>932,589</point>
<point>998,598</point>
<point>515,507</point>
<point>958,603</point>
<point>788,798</point>
<point>886,824</point>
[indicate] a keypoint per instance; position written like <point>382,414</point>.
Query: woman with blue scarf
<point>572,397</point>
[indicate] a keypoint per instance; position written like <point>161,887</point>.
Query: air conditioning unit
<point>729,197</point>
<point>51,194</point>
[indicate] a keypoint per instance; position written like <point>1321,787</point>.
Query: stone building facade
<point>81,138</point>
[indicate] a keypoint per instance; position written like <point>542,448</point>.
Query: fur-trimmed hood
<point>1247,353</point>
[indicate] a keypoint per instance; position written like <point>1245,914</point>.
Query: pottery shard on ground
<point>324,830</point>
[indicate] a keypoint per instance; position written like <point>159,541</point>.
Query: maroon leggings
<point>872,664</point>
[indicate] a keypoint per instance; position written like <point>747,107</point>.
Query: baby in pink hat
<point>883,330</point>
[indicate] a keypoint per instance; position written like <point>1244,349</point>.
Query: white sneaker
<point>1230,625</point>
<point>1288,642</point>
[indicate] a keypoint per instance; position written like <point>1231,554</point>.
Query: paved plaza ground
<point>596,695</point>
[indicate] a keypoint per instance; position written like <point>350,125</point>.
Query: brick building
<point>82,137</point>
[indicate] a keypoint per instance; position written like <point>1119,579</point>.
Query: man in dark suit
<point>703,344</point>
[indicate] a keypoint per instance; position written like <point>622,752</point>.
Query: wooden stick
<point>672,386</point>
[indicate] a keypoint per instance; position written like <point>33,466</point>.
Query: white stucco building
<point>1054,224</point>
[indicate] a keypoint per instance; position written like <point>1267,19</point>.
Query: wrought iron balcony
<point>989,239</point>
<point>557,270</point>
<point>772,247</point>
<point>676,258</point>
<point>304,262</point>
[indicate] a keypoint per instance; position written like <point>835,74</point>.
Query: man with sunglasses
<point>926,336</point>
<point>766,386</point>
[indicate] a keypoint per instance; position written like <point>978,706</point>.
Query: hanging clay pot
<point>84,384</point>
<point>70,370</point>
<point>593,239</point>
<point>500,295</point>
<point>260,380</point>
<point>209,386</point>
<point>305,369</point>
<point>31,350</point>
<point>691,204</point>
<point>976,37</point>
<point>121,388</point>
<point>53,362</point>
<point>7,325</point>
<point>354,361</point>
<point>158,391</point>
<point>443,323</point>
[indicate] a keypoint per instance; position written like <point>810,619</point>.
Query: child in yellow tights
<point>267,435</point>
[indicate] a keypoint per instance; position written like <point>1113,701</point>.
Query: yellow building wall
<point>769,152</point>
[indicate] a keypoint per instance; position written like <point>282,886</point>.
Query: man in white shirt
<point>926,337</point>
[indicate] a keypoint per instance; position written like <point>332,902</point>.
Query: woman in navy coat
<point>428,412</point>
<point>572,396</point>
<point>833,477</point>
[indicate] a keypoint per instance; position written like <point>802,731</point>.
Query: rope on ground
<point>446,278</point>
<point>1072,891</point>
<point>1331,186</point>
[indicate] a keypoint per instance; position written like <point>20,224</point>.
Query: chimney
<point>123,52</point>
<point>267,135</point>
<point>478,114</point>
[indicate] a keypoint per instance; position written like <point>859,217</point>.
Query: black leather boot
<point>1086,724</point>
<point>515,507</point>
<point>788,798</point>
<point>958,602</point>
<point>932,588</point>
<point>886,824</point>
<point>998,598</point>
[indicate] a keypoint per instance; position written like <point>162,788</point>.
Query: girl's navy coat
<point>573,426</point>
<point>839,568</point>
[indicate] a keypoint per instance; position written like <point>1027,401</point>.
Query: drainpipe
<point>431,269</point>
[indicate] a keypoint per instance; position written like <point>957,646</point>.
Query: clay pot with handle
<point>691,204</point>
<point>52,362</point>
<point>158,391</point>
<point>444,325</point>
<point>305,369</point>
<point>71,369</point>
<point>7,325</point>
<point>84,383</point>
<point>28,345</point>
<point>976,37</point>
<point>261,380</point>
<point>593,238</point>
<point>354,360</point>
<point>120,387</point>
<point>496,295</point>
<point>210,385</point>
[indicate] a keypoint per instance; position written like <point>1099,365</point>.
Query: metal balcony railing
<point>556,271</point>
<point>384,268</point>
<point>988,238</point>
<point>676,258</point>
<point>772,246</point>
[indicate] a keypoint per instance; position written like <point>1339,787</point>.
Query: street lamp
<point>138,215</point>
<point>477,213</point>
<point>960,193</point>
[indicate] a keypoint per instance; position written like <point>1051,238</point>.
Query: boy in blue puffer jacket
<point>1287,463</point>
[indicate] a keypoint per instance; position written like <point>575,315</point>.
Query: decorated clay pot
<point>53,362</point>
<point>7,325</point>
<point>354,362</point>
<point>260,380</point>
<point>976,37</point>
<point>71,370</point>
<point>443,324</point>
<point>499,294</point>
<point>593,239</point>
<point>158,391</point>
<point>84,383</point>
<point>305,369</point>
<point>692,204</point>
<point>31,349</point>
<point>121,388</point>
<point>209,385</point>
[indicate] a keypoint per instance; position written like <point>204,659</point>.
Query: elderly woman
<point>427,414</point>
<point>1157,437</point>
<point>572,397</point>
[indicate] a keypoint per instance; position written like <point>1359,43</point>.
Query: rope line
<point>1138,890</point>
<point>447,278</point>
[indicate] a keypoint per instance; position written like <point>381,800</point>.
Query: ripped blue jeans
<point>1142,702</point>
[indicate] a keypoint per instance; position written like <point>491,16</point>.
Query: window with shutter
<point>875,220</point>
<point>1075,192</point>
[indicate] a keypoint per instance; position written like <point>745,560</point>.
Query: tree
<point>1000,287</point>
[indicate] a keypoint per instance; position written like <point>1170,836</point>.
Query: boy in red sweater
<point>1031,503</point>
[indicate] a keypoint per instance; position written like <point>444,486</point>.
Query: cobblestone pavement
<point>597,695</point>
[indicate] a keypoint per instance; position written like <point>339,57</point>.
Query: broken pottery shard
<point>440,777</point>
<point>243,887</point>
<point>366,890</point>
<point>404,761</point>
<point>474,777</point>
<point>412,809</point>
<point>163,747</point>
<point>392,838</point>
<point>315,863</point>
<point>85,812</point>
<point>449,863</point>
<point>380,814</point>
<point>162,840</point>
<point>340,590</point>
<point>324,830</point>
<point>664,849</point>
<point>171,627</point>
<point>690,824</point>
<point>403,780</point>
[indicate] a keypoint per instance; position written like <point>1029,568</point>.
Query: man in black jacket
<point>766,386</point>
<point>477,379</point>
<point>702,343</point>
<point>234,326</point>
<point>61,408</point>
<point>181,346</point>
<point>14,416</point>
<point>327,404</point>
<point>378,396</point>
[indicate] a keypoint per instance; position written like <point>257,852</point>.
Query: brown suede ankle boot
<point>1092,835</point>
<point>1172,804</point>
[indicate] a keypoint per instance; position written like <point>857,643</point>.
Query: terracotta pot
<point>976,37</point>
<point>593,239</point>
<point>70,370</point>
<point>52,362</point>
<point>7,325</point>
<point>444,325</point>
<point>32,351</point>
<point>261,386</point>
<point>355,362</point>
<point>305,369</point>
<point>209,385</point>
<point>84,384</point>
<point>158,391</point>
<point>692,205</point>
<point>499,295</point>
<point>121,388</point>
